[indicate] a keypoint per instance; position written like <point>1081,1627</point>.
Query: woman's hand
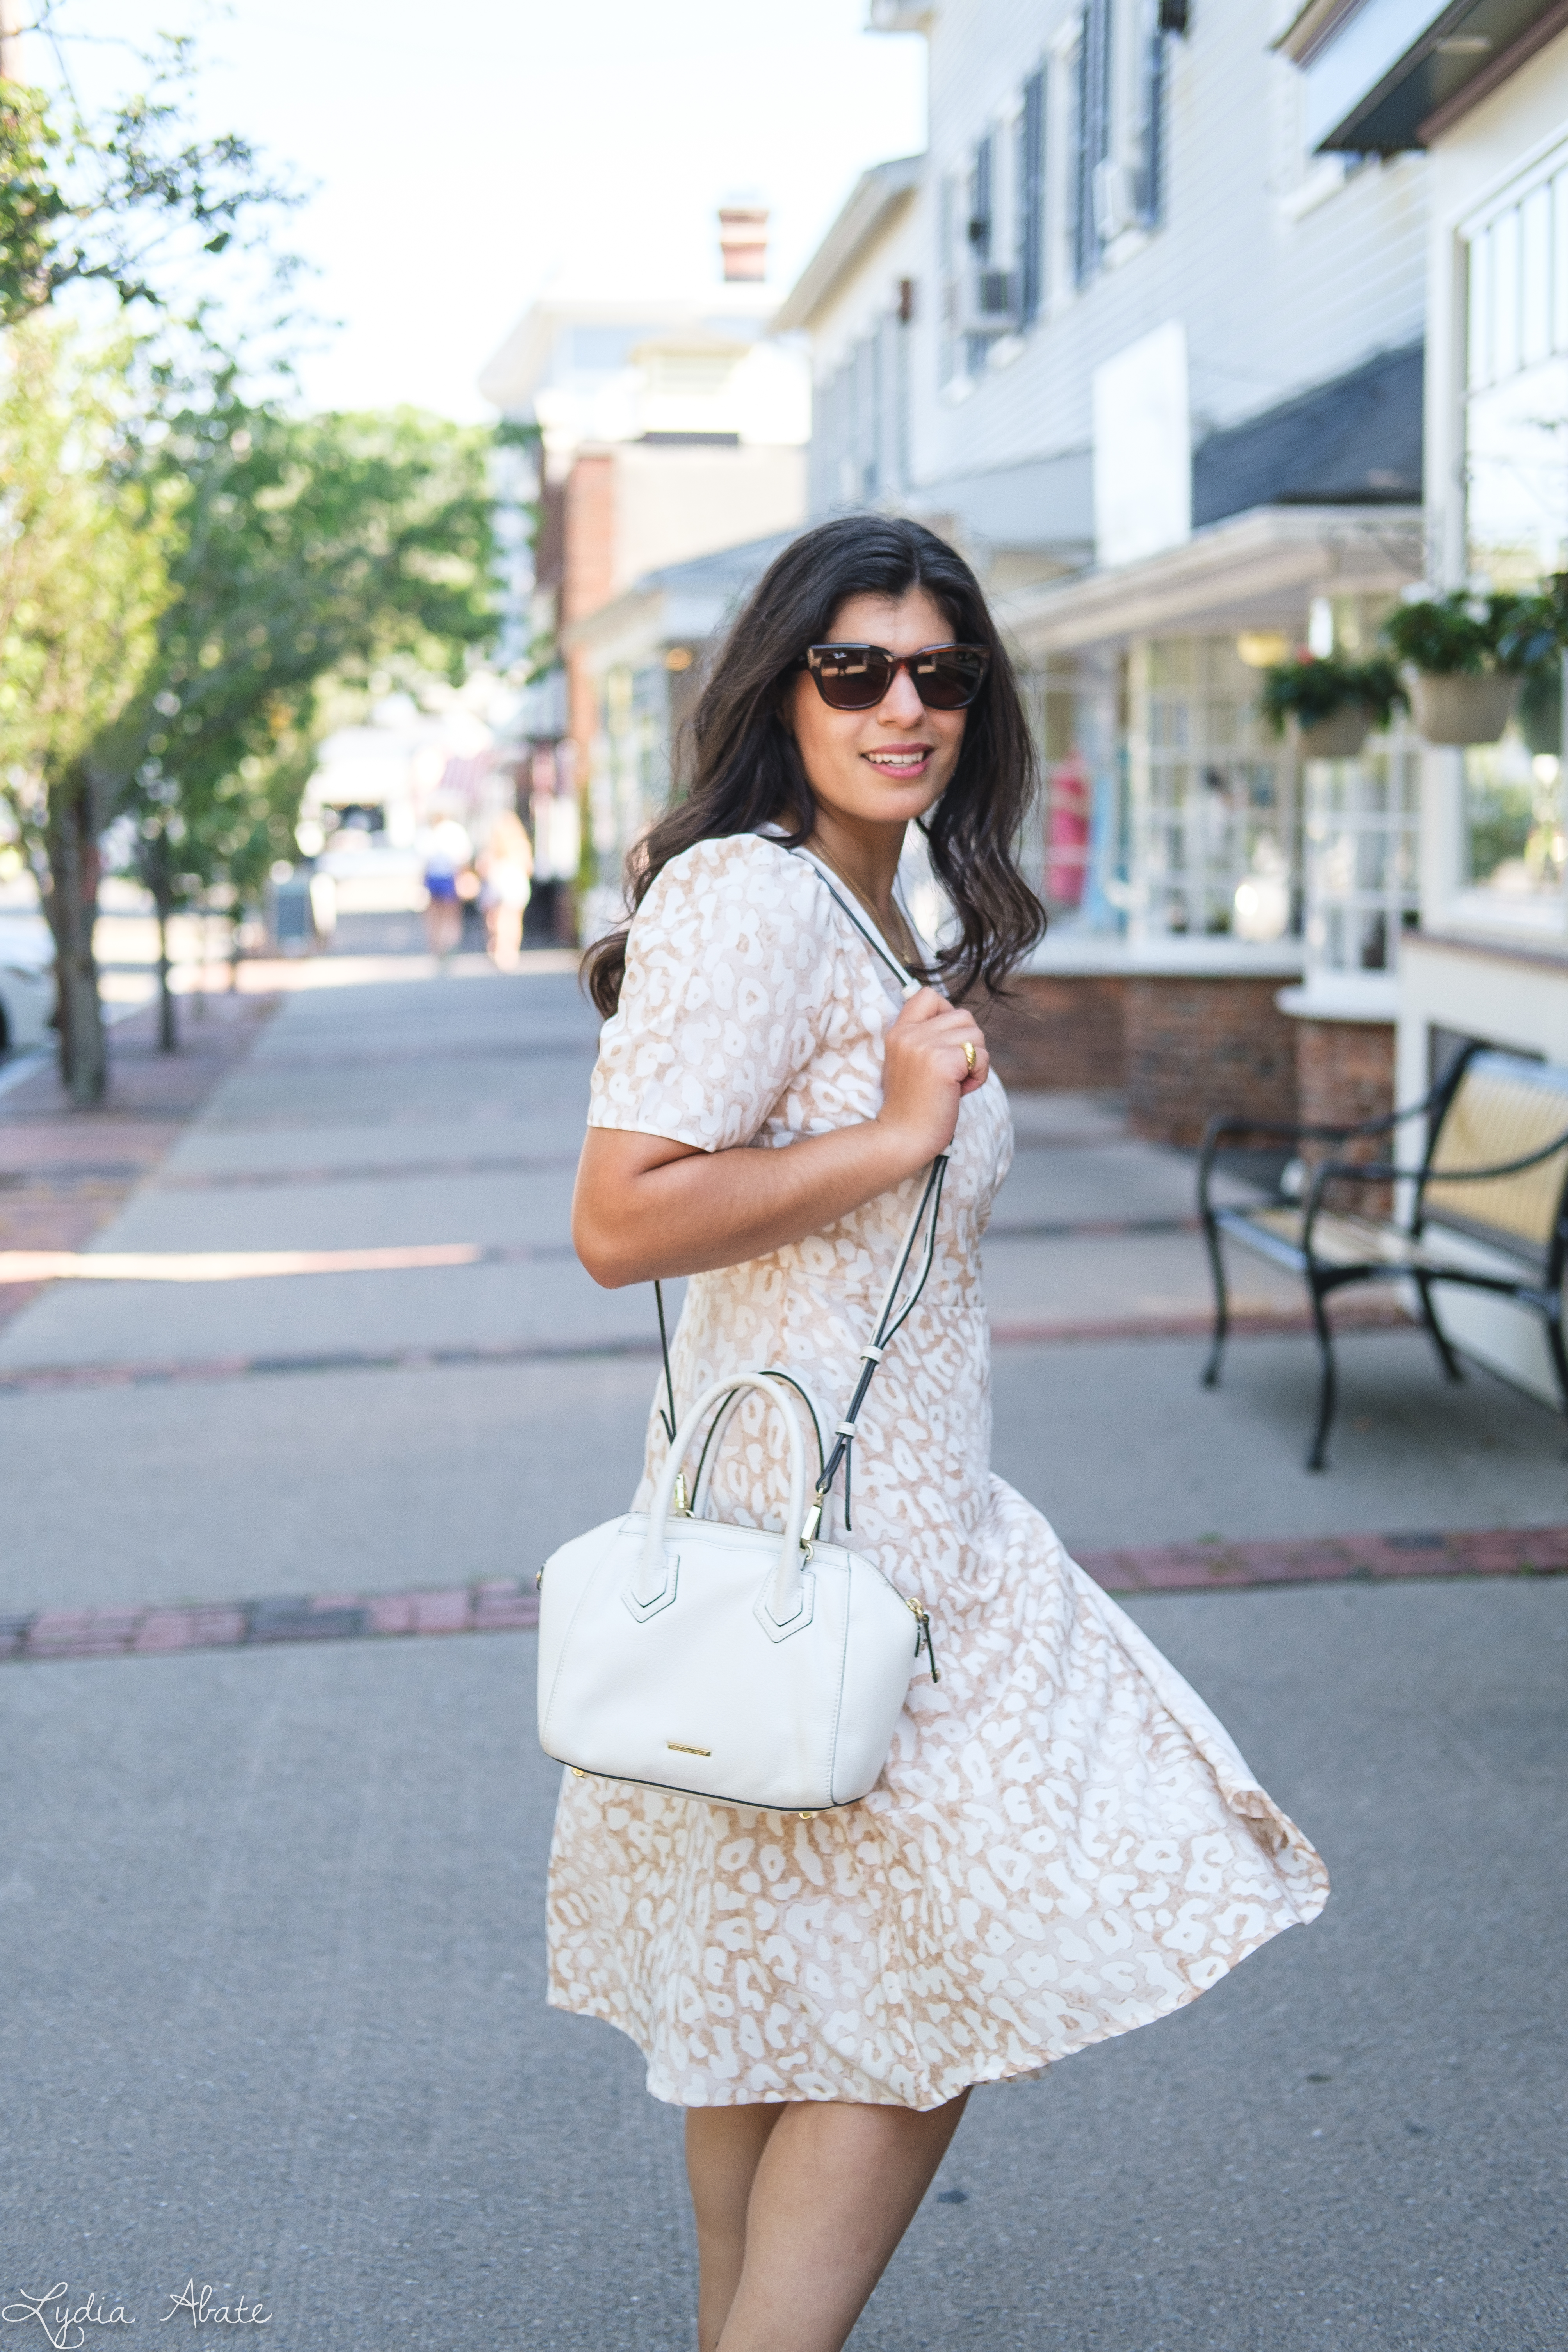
<point>647,1208</point>
<point>926,1072</point>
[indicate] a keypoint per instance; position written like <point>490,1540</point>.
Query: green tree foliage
<point>132,204</point>
<point>313,552</point>
<point>128,202</point>
<point>85,536</point>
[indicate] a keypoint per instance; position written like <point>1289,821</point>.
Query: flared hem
<point>1014,2067</point>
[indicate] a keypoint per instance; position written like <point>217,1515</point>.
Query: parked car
<point>26,983</point>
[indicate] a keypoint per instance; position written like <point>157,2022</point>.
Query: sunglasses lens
<point>951,677</point>
<point>856,677</point>
<point>850,678</point>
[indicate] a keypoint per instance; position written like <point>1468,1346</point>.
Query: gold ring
<point>968,1060</point>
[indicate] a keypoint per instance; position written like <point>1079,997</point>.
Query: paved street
<point>269,1918</point>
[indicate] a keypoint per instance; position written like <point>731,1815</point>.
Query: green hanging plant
<point>1462,635</point>
<point>1535,635</point>
<point>1312,687</point>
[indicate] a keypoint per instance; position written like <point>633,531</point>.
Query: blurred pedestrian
<point>449,856</point>
<point>506,882</point>
<point>1063,1843</point>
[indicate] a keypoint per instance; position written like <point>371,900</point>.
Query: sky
<point>467,155</point>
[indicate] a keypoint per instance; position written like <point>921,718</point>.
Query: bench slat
<point>1504,1109</point>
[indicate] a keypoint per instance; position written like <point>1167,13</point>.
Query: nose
<point>901,706</point>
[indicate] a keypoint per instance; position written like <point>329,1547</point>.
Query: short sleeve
<point>727,981</point>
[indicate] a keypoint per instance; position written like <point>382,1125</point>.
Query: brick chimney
<point>743,242</point>
<point>11,68</point>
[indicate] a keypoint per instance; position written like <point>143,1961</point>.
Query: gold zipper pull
<point>680,1502</point>
<point>922,1632</point>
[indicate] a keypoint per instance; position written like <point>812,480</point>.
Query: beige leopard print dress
<point>1064,1843</point>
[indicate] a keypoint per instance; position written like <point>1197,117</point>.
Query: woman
<point>506,880</point>
<point>1064,1843</point>
<point>448,856</point>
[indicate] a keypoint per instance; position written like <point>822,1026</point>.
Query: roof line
<point>871,199</point>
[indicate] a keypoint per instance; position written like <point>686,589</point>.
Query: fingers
<point>941,1038</point>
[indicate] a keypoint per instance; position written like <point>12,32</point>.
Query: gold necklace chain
<point>902,939</point>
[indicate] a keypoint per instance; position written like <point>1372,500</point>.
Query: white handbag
<point>751,1666</point>
<point>748,1666</point>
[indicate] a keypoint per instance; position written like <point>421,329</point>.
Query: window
<point>1213,797</point>
<point>1363,823</point>
<point>1032,199</point>
<point>989,310</point>
<point>859,437</point>
<point>1119,162</point>
<point>1149,167</point>
<point>1516,517</point>
<point>1516,392</point>
<point>980,192</point>
<point>1091,138</point>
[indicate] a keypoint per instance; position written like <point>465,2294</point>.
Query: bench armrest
<point>1223,1127</point>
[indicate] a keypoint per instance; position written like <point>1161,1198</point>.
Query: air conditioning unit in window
<point>989,304</point>
<point>1115,205</point>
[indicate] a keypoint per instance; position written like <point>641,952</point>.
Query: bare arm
<point>646,1208</point>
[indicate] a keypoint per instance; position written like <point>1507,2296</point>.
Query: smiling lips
<point>907,760</point>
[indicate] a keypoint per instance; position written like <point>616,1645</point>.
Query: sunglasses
<point>856,677</point>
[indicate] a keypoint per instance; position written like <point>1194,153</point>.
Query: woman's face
<point>888,765</point>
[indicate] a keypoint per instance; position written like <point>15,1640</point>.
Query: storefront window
<point>1516,472</point>
<point>1360,826</point>
<point>1213,797</point>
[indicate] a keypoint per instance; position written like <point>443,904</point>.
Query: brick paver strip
<point>502,1606</point>
<point>27,1379</point>
<point>1211,1566</point>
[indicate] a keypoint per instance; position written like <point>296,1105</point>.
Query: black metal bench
<point>1495,1171</point>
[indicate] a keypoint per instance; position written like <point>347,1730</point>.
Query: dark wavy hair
<point>745,770</point>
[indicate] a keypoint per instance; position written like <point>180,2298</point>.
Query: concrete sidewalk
<point>269,1926</point>
<point>269,1919</point>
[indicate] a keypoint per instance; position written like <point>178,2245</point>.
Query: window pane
<point>1504,295</point>
<point>1480,304</point>
<point>1535,275</point>
<point>1513,819</point>
<point>1517,468</point>
<point>1032,198</point>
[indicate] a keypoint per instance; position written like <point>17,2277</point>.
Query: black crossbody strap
<point>873,939</point>
<point>888,1323</point>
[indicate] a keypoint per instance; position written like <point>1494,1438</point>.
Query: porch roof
<point>1253,570</point>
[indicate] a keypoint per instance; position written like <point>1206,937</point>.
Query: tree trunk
<point>168,1036</point>
<point>70,902</point>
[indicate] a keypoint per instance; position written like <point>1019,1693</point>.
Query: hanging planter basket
<point>1462,710</point>
<point>1341,735</point>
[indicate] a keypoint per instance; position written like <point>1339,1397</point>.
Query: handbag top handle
<point>786,1594</point>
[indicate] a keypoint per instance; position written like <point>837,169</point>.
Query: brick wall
<point>1195,1046</point>
<point>588,570</point>
<point>1345,1072</point>
<point>1345,1075</point>
<point>1177,1048</point>
<point>1061,1034</point>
